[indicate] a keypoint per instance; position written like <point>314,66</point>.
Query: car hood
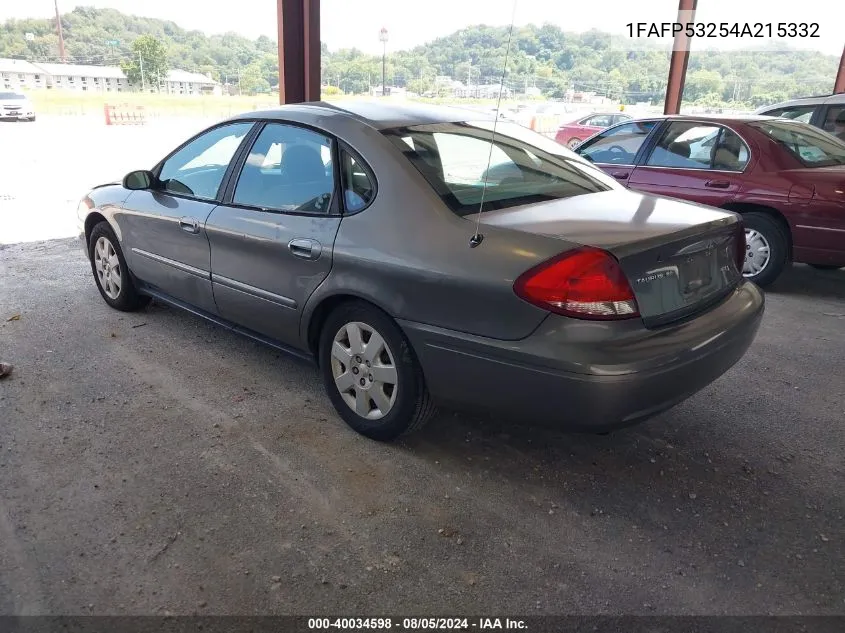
<point>613,220</point>
<point>22,103</point>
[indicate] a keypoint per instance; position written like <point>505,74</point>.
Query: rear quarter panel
<point>410,255</point>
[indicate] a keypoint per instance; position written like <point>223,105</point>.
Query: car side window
<point>601,120</point>
<point>731,153</point>
<point>618,145</point>
<point>288,169</point>
<point>694,145</point>
<point>834,121</point>
<point>198,168</point>
<point>358,187</point>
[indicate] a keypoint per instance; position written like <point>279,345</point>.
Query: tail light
<point>586,283</point>
<point>740,246</point>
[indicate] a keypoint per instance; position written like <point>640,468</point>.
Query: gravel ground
<point>152,463</point>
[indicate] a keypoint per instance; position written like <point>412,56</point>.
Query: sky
<point>348,23</point>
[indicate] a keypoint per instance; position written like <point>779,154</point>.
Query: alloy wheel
<point>364,370</point>
<point>107,265</point>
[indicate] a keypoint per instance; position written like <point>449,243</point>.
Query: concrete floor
<point>153,463</point>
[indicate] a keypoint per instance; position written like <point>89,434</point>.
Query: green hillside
<point>544,57</point>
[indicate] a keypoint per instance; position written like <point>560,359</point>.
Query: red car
<point>571,134</point>
<point>786,179</point>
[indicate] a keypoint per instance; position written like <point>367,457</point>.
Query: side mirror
<point>139,180</point>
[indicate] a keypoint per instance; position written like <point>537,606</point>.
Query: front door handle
<point>189,225</point>
<point>717,184</point>
<point>620,175</point>
<point>305,248</point>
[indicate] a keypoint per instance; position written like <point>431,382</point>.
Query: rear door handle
<point>305,248</point>
<point>620,175</point>
<point>717,184</point>
<point>189,225</point>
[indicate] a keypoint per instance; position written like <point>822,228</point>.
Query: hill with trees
<point>543,57</point>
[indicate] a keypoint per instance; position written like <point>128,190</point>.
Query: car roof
<point>375,113</point>
<point>810,101</point>
<point>716,118</point>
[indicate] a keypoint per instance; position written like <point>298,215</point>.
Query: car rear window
<point>524,167</point>
<point>813,147</point>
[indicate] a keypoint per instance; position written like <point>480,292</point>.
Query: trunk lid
<point>680,258</point>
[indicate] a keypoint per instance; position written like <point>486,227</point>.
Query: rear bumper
<point>589,376</point>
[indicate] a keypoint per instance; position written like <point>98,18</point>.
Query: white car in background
<point>16,106</point>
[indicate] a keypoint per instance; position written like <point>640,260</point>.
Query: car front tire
<point>766,248</point>
<point>573,143</point>
<point>371,373</point>
<point>111,273</point>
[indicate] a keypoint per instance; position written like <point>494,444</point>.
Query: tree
<point>253,81</point>
<point>148,65</point>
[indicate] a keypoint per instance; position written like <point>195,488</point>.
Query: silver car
<point>417,264</point>
<point>15,106</point>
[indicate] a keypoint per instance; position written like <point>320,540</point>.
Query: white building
<point>16,74</point>
<point>182,82</point>
<point>84,77</point>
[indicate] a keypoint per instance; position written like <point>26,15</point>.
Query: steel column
<point>839,84</point>
<point>680,58</point>
<point>299,50</point>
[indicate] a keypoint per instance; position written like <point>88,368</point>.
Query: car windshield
<point>7,96</point>
<point>814,148</point>
<point>524,167</point>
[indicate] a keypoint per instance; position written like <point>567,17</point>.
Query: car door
<point>272,238</point>
<point>162,228</point>
<point>615,150</point>
<point>693,160</point>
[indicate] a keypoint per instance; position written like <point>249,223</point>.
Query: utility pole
<point>62,55</point>
<point>239,81</point>
<point>143,79</point>
<point>382,36</point>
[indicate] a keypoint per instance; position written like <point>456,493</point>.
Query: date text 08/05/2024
<point>415,624</point>
<point>724,29</point>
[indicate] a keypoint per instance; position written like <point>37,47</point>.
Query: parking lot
<point>154,463</point>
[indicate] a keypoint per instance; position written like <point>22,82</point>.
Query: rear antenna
<point>477,237</point>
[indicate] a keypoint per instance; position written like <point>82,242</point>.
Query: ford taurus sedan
<point>786,178</point>
<point>418,264</point>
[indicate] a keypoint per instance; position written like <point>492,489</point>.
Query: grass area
<point>91,103</point>
<point>58,102</point>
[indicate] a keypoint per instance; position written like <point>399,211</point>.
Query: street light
<point>382,37</point>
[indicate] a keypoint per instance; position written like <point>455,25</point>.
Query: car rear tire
<point>766,248</point>
<point>114,281</point>
<point>825,266</point>
<point>371,373</point>
<point>573,143</point>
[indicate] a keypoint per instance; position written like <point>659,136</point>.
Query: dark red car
<point>571,134</point>
<point>786,178</point>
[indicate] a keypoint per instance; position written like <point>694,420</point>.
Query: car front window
<point>198,168</point>
<point>812,147</point>
<point>618,145</point>
<point>520,167</point>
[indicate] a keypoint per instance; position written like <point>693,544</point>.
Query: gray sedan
<point>418,262</point>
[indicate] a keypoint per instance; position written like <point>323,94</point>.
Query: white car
<point>16,106</point>
<point>825,112</point>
